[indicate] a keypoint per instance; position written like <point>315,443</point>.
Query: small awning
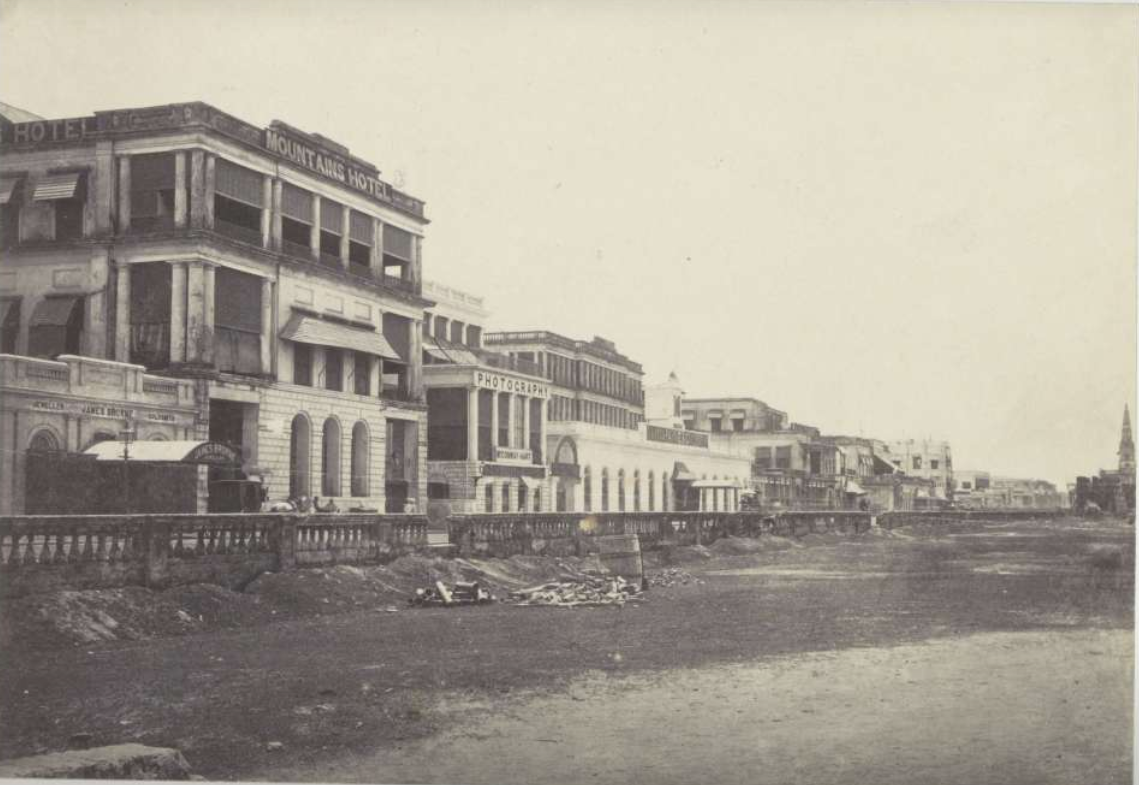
<point>882,466</point>
<point>680,472</point>
<point>166,452</point>
<point>312,330</point>
<point>58,186</point>
<point>855,488</point>
<point>53,312</point>
<point>8,187</point>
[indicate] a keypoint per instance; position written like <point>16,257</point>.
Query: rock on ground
<point>118,762</point>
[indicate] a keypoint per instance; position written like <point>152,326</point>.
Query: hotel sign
<point>511,455</point>
<point>655,433</point>
<point>72,129</point>
<point>501,383</point>
<point>329,165</point>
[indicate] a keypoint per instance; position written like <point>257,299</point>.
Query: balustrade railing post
<point>283,541</point>
<point>155,548</point>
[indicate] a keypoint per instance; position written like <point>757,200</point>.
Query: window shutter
<point>239,183</point>
<point>360,228</point>
<point>331,216</point>
<point>296,203</point>
<point>397,243</point>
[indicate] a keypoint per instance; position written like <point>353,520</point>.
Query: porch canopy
<point>214,453</point>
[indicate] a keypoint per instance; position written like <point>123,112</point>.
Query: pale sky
<point>894,220</point>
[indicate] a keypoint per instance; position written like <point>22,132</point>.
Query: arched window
<point>637,491</point>
<point>664,491</point>
<point>490,497</point>
<point>522,497</point>
<point>299,452</point>
<point>652,491</point>
<point>506,497</point>
<point>330,459</point>
<point>620,490</point>
<point>360,459</point>
<point>587,490</point>
<point>44,441</point>
<point>605,490</point>
<point>537,500</point>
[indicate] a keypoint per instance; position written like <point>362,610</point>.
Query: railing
<point>517,364</point>
<point>238,232</point>
<point>40,553</point>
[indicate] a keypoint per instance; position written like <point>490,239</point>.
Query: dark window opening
<point>737,424</point>
<point>395,378</point>
<point>438,491</point>
<point>9,225</point>
<point>237,322</point>
<point>329,248</point>
<point>10,325</point>
<point>361,374</point>
<point>56,327</point>
<point>68,219</point>
<point>714,424</point>
<point>302,364</point>
<point>149,313</point>
<point>333,369</point>
<point>359,258</point>
<point>237,220</point>
<point>447,424</point>
<point>152,191</point>
<point>489,506</point>
<point>296,237</point>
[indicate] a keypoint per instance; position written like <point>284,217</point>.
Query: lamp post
<point>127,437</point>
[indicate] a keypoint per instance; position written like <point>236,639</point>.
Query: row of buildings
<point>182,288</point>
<point>1112,490</point>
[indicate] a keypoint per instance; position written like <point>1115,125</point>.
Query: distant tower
<point>1126,445</point>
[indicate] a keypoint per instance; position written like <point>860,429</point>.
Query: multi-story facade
<point>738,415</point>
<point>930,460</point>
<point>486,414</point>
<point>613,445</point>
<point>270,266</point>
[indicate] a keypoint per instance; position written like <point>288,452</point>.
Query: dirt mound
<point>71,618</point>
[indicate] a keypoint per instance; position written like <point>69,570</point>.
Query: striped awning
<point>53,312</point>
<point>312,330</point>
<point>58,186</point>
<point>8,187</point>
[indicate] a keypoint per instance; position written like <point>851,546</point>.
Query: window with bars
<point>239,199</point>
<point>296,221</point>
<point>331,230</point>
<point>152,191</point>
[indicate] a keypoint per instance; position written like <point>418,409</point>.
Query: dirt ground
<point>994,653</point>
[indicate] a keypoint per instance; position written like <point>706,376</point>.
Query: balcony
<point>237,232</point>
<point>506,363</point>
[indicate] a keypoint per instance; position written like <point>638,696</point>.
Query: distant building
<point>1111,491</point>
<point>738,415</point>
<point>930,460</point>
<point>981,490</point>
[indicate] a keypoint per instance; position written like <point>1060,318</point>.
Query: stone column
<point>376,369</point>
<point>345,228</point>
<point>208,316</point>
<point>181,209</point>
<point>472,424</point>
<point>195,311</point>
<point>102,191</point>
<point>122,312</point>
<point>511,414</point>
<point>314,237</point>
<point>494,424</point>
<point>197,189</point>
<point>266,326</point>
<point>208,201</point>
<point>376,257</point>
<point>542,416</point>
<point>524,405</point>
<point>177,312</point>
<point>415,361</point>
<point>416,272</point>
<point>267,212</point>
<point>124,193</point>
<point>278,190</point>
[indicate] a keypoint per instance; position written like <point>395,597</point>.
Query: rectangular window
<point>9,324</point>
<point>783,457</point>
<point>333,369</point>
<point>150,288</point>
<point>399,250</point>
<point>152,192</point>
<point>237,321</point>
<point>239,199</point>
<point>361,374</point>
<point>917,461</point>
<point>762,458</point>
<point>714,424</point>
<point>331,230</point>
<point>302,364</point>
<point>933,464</point>
<point>69,219</point>
<point>738,424</point>
<point>447,424</point>
<point>474,336</point>
<point>56,327</point>
<point>361,230</point>
<point>296,221</point>
<point>9,225</point>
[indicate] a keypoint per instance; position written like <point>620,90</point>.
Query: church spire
<point>1126,445</point>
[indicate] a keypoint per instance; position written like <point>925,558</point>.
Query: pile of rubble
<point>673,576</point>
<point>456,594</point>
<point>590,590</point>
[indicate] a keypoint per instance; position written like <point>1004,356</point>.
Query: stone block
<point>117,762</point>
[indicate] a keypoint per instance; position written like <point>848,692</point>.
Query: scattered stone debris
<point>673,576</point>
<point>457,594</point>
<point>592,590</point>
